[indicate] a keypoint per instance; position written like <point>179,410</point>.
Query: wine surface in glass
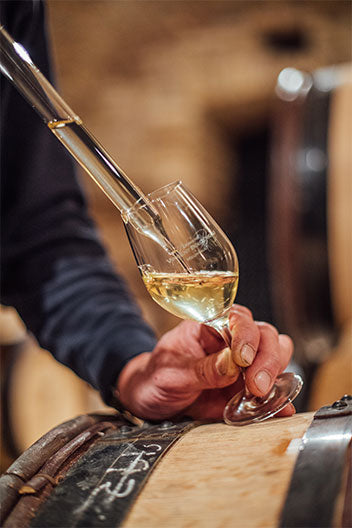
<point>201,296</point>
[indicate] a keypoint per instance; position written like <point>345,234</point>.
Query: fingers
<point>210,339</point>
<point>289,410</point>
<point>255,345</point>
<point>210,403</point>
<point>215,371</point>
<point>245,335</point>
<point>273,355</point>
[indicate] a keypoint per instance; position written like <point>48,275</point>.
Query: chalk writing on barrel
<point>132,460</point>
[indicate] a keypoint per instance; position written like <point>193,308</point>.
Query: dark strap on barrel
<point>100,488</point>
<point>318,476</point>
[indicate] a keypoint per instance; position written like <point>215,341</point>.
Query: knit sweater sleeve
<point>54,269</point>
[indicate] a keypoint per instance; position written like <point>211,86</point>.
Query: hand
<point>190,373</point>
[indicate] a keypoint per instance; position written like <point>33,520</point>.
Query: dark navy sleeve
<point>54,270</point>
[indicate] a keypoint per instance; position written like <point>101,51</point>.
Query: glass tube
<point>64,123</point>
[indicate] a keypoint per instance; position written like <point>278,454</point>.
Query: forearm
<point>54,268</point>
<point>90,322</point>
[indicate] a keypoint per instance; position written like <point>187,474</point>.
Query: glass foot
<point>244,409</point>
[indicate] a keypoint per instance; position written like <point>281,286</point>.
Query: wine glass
<point>192,272</point>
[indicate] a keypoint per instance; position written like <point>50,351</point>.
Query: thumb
<point>216,371</point>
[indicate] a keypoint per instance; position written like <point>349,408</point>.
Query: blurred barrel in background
<point>310,221</point>
<point>37,392</point>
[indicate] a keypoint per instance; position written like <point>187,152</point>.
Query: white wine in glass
<point>195,276</point>
<point>197,295</point>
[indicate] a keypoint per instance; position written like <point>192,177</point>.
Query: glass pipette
<point>18,67</point>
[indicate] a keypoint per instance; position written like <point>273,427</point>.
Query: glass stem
<point>225,333</point>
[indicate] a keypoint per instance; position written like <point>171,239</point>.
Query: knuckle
<point>286,340</point>
<point>245,332</point>
<point>267,327</point>
<point>241,310</point>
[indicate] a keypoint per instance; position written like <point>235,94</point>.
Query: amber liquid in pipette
<point>97,162</point>
<point>112,180</point>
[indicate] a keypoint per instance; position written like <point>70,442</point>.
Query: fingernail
<point>247,355</point>
<point>263,381</point>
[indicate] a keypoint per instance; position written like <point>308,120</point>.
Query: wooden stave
<point>261,482</point>
<point>32,459</point>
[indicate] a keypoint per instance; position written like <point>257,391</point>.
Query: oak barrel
<point>213,476</point>
<point>37,393</point>
<point>310,221</point>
